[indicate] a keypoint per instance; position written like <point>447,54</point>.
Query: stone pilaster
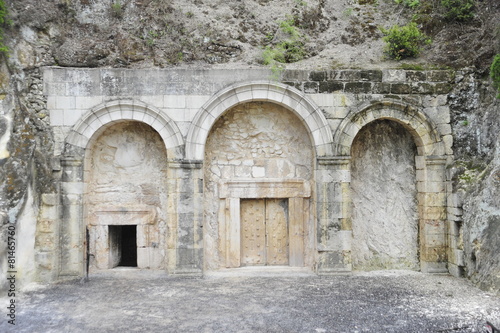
<point>185,210</point>
<point>334,231</point>
<point>71,227</point>
<point>431,184</point>
<point>46,238</point>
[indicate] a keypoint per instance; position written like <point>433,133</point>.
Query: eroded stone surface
<point>385,219</point>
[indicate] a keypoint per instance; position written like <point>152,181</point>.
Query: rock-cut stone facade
<point>192,171</point>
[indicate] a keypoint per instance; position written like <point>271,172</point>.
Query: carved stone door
<point>264,232</point>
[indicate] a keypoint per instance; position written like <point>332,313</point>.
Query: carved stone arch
<point>75,166</point>
<point>104,115</point>
<point>289,97</point>
<point>430,173</point>
<point>421,127</point>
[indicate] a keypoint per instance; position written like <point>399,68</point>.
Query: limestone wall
<point>230,136</point>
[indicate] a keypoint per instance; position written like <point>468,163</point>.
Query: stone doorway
<point>264,232</point>
<point>123,245</point>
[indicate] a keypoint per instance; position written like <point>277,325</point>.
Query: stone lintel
<point>185,164</point>
<point>436,160</point>
<point>265,188</point>
<point>334,160</point>
<point>123,215</point>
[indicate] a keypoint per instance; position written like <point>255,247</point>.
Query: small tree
<point>458,10</point>
<point>404,41</point>
<point>495,73</point>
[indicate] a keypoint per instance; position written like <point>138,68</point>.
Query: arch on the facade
<point>104,115</point>
<point>75,164</point>
<point>289,97</point>
<point>420,126</point>
<point>430,172</point>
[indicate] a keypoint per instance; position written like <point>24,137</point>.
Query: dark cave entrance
<point>123,245</point>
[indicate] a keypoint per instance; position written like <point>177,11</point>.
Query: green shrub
<point>408,3</point>
<point>290,49</point>
<point>404,41</point>
<point>458,10</point>
<point>495,73</point>
<point>4,21</point>
<point>117,9</point>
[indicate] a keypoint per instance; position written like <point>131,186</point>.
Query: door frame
<point>297,191</point>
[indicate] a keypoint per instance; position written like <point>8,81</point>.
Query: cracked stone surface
<point>131,300</point>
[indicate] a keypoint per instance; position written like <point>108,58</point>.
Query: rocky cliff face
<point>215,33</point>
<point>476,175</point>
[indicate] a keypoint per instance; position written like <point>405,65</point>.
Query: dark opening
<point>129,246</point>
<point>123,245</point>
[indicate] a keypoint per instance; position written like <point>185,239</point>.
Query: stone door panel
<point>264,232</point>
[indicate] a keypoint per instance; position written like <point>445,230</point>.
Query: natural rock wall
<point>476,175</point>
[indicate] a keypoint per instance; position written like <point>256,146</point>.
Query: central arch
<point>258,169</point>
<point>263,91</point>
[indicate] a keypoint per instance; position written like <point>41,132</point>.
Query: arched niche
<point>75,170</point>
<point>430,163</point>
<point>258,174</point>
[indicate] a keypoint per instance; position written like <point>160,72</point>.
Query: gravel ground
<point>145,301</point>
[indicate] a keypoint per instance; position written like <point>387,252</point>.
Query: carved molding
<point>265,188</point>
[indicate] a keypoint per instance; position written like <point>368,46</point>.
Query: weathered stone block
<point>311,87</point>
<point>422,88</point>
<point>441,76</point>
<point>350,75</point>
<point>330,86</point>
<point>371,75</point>
<point>45,242</point>
<point>400,88</point>
<point>416,76</point>
<point>46,226</point>
<point>393,75</point>
<point>381,88</point>
<point>296,85</point>
<point>318,76</point>
<point>358,87</point>
<point>295,75</point>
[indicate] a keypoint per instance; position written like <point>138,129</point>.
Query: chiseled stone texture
<point>385,219</point>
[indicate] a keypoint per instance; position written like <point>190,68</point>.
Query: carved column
<point>71,229</point>
<point>185,210</point>
<point>432,215</point>
<point>333,212</point>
